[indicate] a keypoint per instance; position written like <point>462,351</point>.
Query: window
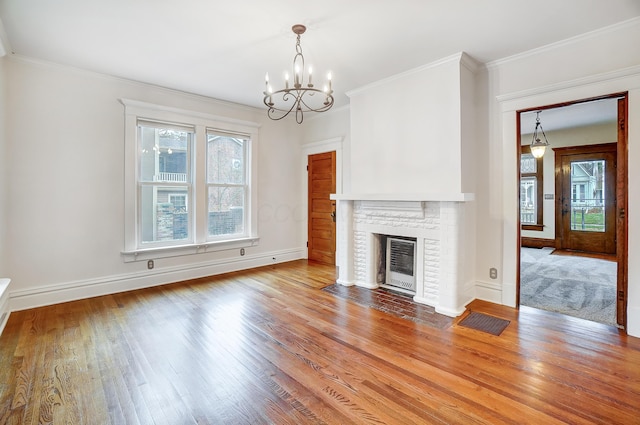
<point>531,187</point>
<point>164,176</point>
<point>189,182</point>
<point>226,184</point>
<point>179,201</point>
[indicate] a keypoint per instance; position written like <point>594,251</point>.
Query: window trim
<point>137,110</point>
<point>539,175</point>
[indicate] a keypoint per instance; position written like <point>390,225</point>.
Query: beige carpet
<point>576,286</point>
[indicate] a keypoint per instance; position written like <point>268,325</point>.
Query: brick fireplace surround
<point>443,227</point>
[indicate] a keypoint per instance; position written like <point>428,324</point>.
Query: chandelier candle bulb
<point>310,75</point>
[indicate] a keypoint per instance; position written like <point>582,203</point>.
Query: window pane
<point>226,210</point>
<point>528,200</point>
<point>528,163</point>
<point>163,213</point>
<point>588,196</point>
<point>163,154</point>
<point>225,159</point>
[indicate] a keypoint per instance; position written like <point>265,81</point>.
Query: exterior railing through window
<point>588,215</point>
<point>170,177</point>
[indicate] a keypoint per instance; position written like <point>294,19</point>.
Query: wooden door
<point>586,214</point>
<point>321,216</point>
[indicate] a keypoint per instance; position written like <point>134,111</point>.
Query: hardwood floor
<point>266,346</point>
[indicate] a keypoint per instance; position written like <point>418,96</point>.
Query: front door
<point>586,219</point>
<point>322,226</point>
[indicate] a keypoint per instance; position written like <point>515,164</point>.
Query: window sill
<point>176,251</point>
<point>536,227</point>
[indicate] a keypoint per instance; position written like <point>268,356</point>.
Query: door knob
<point>333,216</point>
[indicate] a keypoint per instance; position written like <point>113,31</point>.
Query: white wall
<point>65,149</point>
<point>597,64</point>
<point>406,132</point>
<point>581,136</point>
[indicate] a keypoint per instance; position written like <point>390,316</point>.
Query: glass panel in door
<point>588,196</point>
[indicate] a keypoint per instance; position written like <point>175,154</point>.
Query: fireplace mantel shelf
<point>401,197</point>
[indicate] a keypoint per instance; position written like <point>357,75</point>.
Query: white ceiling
<point>223,49</point>
<point>576,115</point>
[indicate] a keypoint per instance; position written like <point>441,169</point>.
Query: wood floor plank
<point>268,346</point>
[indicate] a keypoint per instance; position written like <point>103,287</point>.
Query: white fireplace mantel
<point>443,226</point>
<point>401,197</point>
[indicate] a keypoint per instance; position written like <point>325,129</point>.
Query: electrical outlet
<point>150,264</point>
<point>241,251</point>
<point>493,273</point>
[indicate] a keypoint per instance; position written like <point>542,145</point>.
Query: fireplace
<point>438,228</point>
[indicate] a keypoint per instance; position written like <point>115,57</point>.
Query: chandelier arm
<point>297,94</point>
<point>271,113</point>
<point>323,108</point>
<point>273,109</point>
<point>286,94</point>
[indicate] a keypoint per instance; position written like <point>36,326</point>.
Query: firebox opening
<point>397,263</point>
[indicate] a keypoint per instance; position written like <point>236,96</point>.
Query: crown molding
<point>107,77</point>
<point>460,57</point>
<point>568,41</point>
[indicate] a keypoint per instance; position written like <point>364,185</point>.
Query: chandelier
<point>300,96</point>
<point>538,147</point>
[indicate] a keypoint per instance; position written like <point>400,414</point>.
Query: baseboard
<point>71,291</point>
<point>430,301</point>
<point>489,291</point>
<point>4,303</point>
<point>537,242</point>
<point>449,311</point>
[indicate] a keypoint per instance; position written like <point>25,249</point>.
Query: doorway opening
<point>572,225</point>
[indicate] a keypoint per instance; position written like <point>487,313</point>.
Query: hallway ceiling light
<point>301,97</point>
<point>538,147</point>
